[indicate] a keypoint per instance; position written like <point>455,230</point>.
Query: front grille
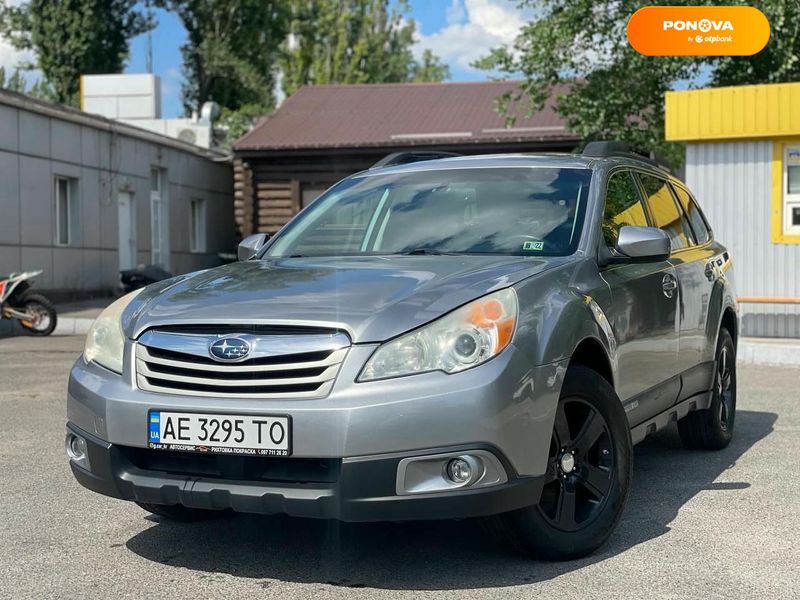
<point>239,468</point>
<point>279,366</point>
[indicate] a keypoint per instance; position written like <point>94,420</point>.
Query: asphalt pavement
<point>698,525</point>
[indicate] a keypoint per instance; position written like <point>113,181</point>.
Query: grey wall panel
<point>10,259</point>
<point>36,201</point>
<point>109,268</point>
<point>107,210</point>
<point>179,217</point>
<point>92,265</point>
<point>65,141</point>
<point>90,207</point>
<point>35,258</point>
<point>90,147</point>
<point>9,128</point>
<point>733,183</point>
<point>34,134</point>
<point>68,272</point>
<point>9,198</point>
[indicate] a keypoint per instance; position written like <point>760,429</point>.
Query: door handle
<point>669,284</point>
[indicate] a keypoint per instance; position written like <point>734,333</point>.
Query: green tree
<point>71,38</point>
<point>231,51</point>
<point>352,41</point>
<point>14,82</point>
<point>430,68</point>
<point>613,91</point>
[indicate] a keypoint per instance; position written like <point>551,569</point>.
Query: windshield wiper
<point>427,252</point>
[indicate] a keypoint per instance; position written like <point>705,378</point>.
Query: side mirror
<point>250,245</point>
<point>643,244</point>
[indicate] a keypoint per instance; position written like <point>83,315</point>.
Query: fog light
<point>459,470</point>
<point>76,450</point>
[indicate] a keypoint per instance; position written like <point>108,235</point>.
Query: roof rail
<point>404,158</point>
<point>606,149</point>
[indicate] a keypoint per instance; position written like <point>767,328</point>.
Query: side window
<point>623,206</point>
<point>664,211</point>
<point>696,219</point>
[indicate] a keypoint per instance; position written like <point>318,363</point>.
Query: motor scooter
<point>34,312</point>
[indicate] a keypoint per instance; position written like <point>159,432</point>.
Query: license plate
<point>219,433</point>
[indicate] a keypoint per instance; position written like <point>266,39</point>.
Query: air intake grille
<point>278,366</point>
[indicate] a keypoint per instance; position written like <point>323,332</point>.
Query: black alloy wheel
<point>580,466</point>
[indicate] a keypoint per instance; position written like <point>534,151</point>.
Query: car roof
<point>518,160</point>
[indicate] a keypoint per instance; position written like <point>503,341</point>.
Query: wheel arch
<point>591,354</point>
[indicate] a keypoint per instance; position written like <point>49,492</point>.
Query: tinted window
<point>529,211</point>
<point>664,211</point>
<point>698,223</point>
<point>622,206</point>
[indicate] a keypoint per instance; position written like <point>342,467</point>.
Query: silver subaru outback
<point>480,336</point>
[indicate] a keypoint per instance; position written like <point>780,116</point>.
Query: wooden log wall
<point>277,202</point>
<point>243,198</point>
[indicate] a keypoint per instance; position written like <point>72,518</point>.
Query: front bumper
<point>505,406</point>
<point>363,490</point>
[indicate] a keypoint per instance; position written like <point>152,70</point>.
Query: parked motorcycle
<point>133,279</point>
<point>34,311</point>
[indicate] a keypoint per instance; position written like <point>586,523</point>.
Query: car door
<point>642,311</point>
<point>698,267</point>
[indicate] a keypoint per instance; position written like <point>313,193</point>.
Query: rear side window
<point>623,206</point>
<point>664,211</point>
<point>696,220</point>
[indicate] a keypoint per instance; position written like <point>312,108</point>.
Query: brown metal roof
<point>399,114</point>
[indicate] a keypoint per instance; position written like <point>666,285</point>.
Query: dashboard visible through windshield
<point>515,211</point>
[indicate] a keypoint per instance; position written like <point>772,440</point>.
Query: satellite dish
<point>209,112</point>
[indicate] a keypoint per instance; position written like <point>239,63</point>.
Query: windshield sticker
<point>533,246</point>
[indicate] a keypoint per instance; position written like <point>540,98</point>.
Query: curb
<point>769,351</point>
<point>72,326</point>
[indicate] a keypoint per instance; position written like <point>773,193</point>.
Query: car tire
<point>712,428</point>
<point>596,487</point>
<point>183,514</point>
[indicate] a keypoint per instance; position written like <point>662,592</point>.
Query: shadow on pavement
<point>439,555</point>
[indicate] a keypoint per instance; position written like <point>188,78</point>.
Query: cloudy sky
<point>458,31</point>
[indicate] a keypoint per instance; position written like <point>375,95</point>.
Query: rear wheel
<point>588,475</point>
<point>184,514</point>
<point>712,428</point>
<point>42,313</point>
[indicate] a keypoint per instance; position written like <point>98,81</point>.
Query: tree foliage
<point>71,38</point>
<point>430,68</point>
<point>231,51</point>
<point>615,92</point>
<point>352,41</point>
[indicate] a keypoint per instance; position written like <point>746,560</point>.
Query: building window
<point>67,221</point>
<point>791,195</point>
<point>197,225</point>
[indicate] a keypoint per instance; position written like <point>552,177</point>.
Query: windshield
<point>523,211</point>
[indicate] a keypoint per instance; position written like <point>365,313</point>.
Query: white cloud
<point>473,28</point>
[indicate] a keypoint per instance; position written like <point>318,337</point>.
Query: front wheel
<point>42,318</point>
<point>589,472</point>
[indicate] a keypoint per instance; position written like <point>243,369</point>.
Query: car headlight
<point>464,338</point>
<point>105,341</point>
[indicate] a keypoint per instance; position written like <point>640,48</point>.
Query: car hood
<point>373,298</point>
